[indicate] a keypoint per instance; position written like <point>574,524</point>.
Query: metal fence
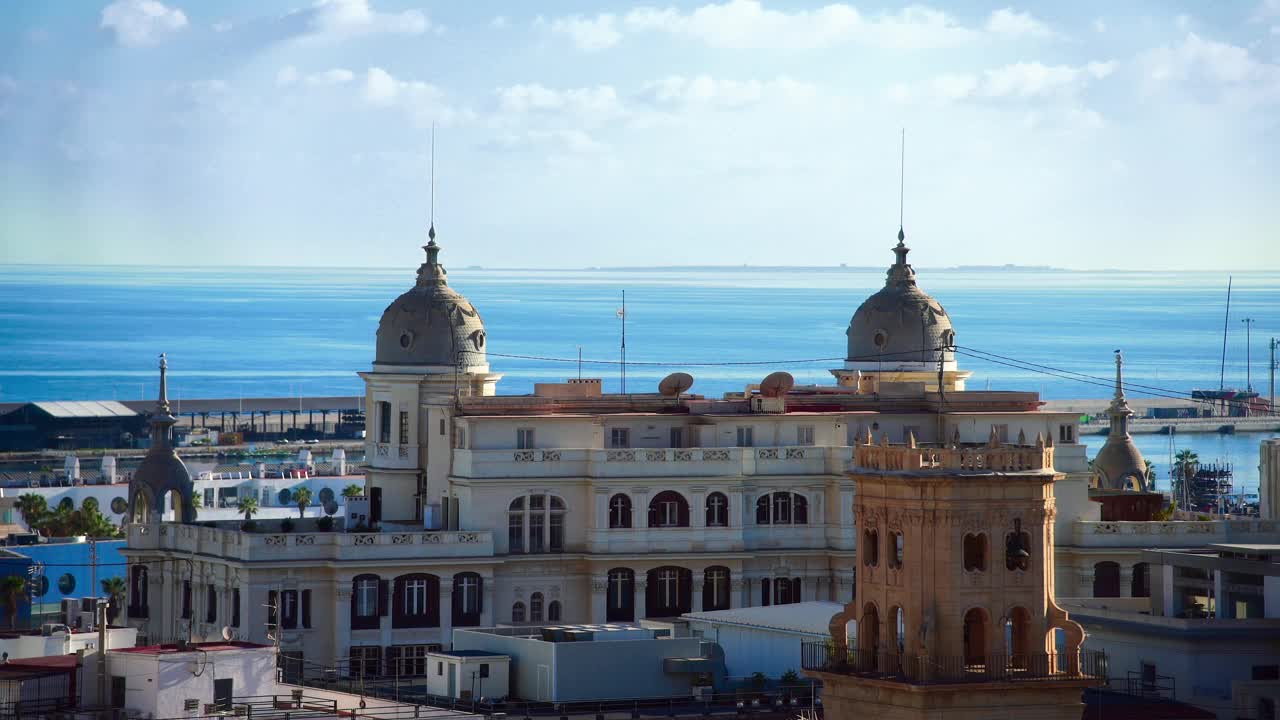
<point>943,670</point>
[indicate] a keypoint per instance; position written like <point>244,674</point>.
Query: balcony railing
<point>652,462</point>
<point>950,670</point>
<point>1002,458</point>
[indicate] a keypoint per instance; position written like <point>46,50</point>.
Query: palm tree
<point>248,505</point>
<point>302,498</point>
<point>1185,463</point>
<point>1150,473</point>
<point>114,589</point>
<point>13,590</point>
<point>33,508</point>
<point>352,490</point>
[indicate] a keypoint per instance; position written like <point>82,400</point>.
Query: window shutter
<point>393,660</point>
<point>455,600</point>
<point>795,590</point>
<point>273,607</point>
<point>397,603</point>
<point>479,595</point>
<point>306,608</point>
<point>800,510</point>
<point>653,515</point>
<point>384,593</point>
<point>762,510</point>
<point>684,513</point>
<point>235,607</point>
<point>433,601</point>
<point>764,592</point>
<point>707,598</point>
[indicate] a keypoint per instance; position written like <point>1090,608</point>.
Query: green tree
<point>302,498</point>
<point>1150,472</point>
<point>114,589</point>
<point>352,490</point>
<point>33,508</point>
<point>248,506</point>
<point>13,592</point>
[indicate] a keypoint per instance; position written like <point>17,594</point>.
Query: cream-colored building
<point>574,505</point>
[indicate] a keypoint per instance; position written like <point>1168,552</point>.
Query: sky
<point>1089,135</point>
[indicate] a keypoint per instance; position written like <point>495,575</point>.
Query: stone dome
<point>161,471</point>
<point>431,324</point>
<point>900,327</point>
<point>1119,465</point>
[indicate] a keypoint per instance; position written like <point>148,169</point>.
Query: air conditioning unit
<point>70,611</point>
<point>88,622</point>
<point>48,629</point>
<point>88,604</point>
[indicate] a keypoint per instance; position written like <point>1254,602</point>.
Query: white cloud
<point>575,142</point>
<point>336,76</point>
<point>706,91</point>
<point>589,34</point>
<point>141,22</point>
<point>1213,68</point>
<point>749,24</point>
<point>589,104</point>
<point>954,87</point>
<point>222,26</point>
<point>288,75</point>
<point>1008,22</point>
<point>499,22</point>
<point>1100,25</point>
<point>1182,21</point>
<point>342,18</point>
<point>1024,80</point>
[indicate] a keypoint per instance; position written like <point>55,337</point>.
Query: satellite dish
<point>777,384</point>
<point>331,507</point>
<point>675,384</point>
<point>228,633</point>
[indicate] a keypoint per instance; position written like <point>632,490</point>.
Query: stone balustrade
<point>652,462</point>
<point>1172,533</point>
<point>308,547</point>
<point>911,458</point>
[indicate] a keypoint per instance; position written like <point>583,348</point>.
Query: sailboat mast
<point>1222,372</point>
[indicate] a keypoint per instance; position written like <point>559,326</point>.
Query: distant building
<point>70,425</point>
<point>1209,635</point>
<point>57,571</point>
<point>764,640</point>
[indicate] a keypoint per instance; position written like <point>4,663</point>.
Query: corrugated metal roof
<point>85,408</point>
<point>806,617</point>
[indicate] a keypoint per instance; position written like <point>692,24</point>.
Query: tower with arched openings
<point>955,604</point>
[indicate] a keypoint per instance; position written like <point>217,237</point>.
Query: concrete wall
<point>750,650</point>
<point>159,684</point>
<point>1269,478</point>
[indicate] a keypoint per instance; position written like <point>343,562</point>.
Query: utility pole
<point>100,606</point>
<point>1248,352</point>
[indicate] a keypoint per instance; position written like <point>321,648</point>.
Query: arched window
<point>975,552</point>
<point>717,510</point>
<point>869,632</point>
<point>415,601</point>
<point>368,601</point>
<point>900,630</point>
<point>1140,585</point>
<point>517,612</point>
<point>138,601</point>
<point>620,604</point>
<point>715,588</point>
<point>553,611</point>
<point>619,511</point>
<point>669,592</point>
<point>870,549</point>
<point>786,591</point>
<point>1017,553</point>
<point>1106,579</point>
<point>466,596</point>
<point>975,637</point>
<point>897,549</point>
<point>668,509</point>
<point>1017,637</point>
<point>535,607</point>
<point>782,508</point>
<point>535,524</point>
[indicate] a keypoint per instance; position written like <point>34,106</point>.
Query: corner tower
<point>955,610</point>
<point>431,349</point>
<point>161,471</point>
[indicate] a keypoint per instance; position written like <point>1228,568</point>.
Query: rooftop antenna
<point>902,179</point>
<point>431,232</point>
<point>622,315</point>
<point>1222,372</point>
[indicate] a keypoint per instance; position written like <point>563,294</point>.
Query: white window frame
<point>719,586</point>
<point>620,438</point>
<point>525,438</point>
<point>804,435</point>
<point>415,597</point>
<point>746,436</point>
<point>366,598</point>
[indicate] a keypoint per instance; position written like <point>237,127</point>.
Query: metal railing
<point>944,670</point>
<point>1150,686</point>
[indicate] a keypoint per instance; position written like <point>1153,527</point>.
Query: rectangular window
<point>415,596</point>
<point>677,437</point>
<point>306,608</point>
<point>289,609</point>
<point>804,435</point>
<point>366,597</point>
<point>524,438</point>
<point>366,661</point>
<point>557,532</point>
<point>412,660</point>
<point>536,532</point>
<point>384,422</point>
<point>442,426</point>
<point>118,684</point>
<point>211,604</point>
<point>186,599</point>
<point>404,427</point>
<point>515,532</point>
<point>484,670</point>
<point>745,436</point>
<point>1067,433</point>
<point>439,668</point>
<point>235,607</point>
<point>620,437</point>
<point>461,434</point>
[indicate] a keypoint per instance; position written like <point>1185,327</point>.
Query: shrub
<point>286,525</point>
<point>325,523</point>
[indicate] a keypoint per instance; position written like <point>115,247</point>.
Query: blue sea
<point>94,332</point>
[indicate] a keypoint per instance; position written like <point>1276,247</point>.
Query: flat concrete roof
<point>813,618</point>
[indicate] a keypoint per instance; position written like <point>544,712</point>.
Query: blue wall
<point>66,573</point>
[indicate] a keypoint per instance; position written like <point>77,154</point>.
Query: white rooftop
<point>813,617</point>
<point>85,408</point>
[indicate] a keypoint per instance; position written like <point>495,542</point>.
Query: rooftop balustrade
<point>311,546</point>
<point>946,670</point>
<point>911,457</point>
<point>652,462</point>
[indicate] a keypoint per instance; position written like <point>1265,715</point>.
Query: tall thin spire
<point>1119,409</point>
<point>162,419</point>
<point>431,232</point>
<point>162,402</point>
<point>902,183</point>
